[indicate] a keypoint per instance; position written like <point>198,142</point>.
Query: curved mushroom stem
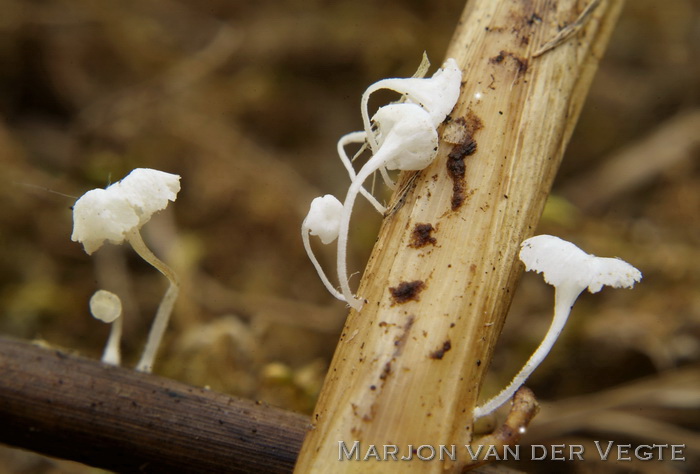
<point>160,322</point>
<point>359,137</point>
<point>372,165</point>
<point>387,179</point>
<point>319,269</point>
<point>371,138</point>
<point>391,84</point>
<point>112,353</point>
<point>564,298</point>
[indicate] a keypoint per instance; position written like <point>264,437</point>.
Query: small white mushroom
<point>116,214</point>
<point>113,214</point>
<point>570,270</point>
<point>407,140</point>
<point>323,220</point>
<point>107,307</point>
<point>437,95</point>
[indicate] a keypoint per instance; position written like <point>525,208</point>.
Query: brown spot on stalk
<point>386,371</point>
<point>406,291</point>
<point>521,64</point>
<point>440,353</point>
<point>422,236</point>
<point>401,339</point>
<point>455,159</point>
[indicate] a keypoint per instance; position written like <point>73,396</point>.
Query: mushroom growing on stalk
<point>116,214</point>
<point>437,94</point>
<point>407,140</point>
<point>570,270</point>
<point>323,220</point>
<point>107,307</point>
<point>404,137</point>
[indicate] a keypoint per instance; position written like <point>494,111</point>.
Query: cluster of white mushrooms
<point>116,215</point>
<point>400,136</point>
<point>403,136</point>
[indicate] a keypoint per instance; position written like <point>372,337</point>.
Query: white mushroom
<point>570,270</point>
<point>407,140</point>
<point>116,214</point>
<point>107,307</point>
<point>437,95</point>
<point>323,220</point>
<point>404,138</point>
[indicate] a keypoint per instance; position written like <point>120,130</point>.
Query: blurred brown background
<point>245,100</point>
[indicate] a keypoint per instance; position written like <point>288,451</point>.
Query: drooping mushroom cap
<point>105,306</point>
<point>438,94</point>
<point>324,218</point>
<point>562,263</point>
<point>407,134</point>
<point>148,191</point>
<point>110,214</point>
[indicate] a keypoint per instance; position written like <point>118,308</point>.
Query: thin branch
<point>73,408</point>
<point>118,419</point>
<point>570,30</point>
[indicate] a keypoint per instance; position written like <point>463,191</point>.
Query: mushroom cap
<point>148,191</point>
<point>437,95</point>
<point>407,135</point>
<point>562,263</point>
<point>324,218</point>
<point>105,306</point>
<point>101,215</point>
<point>110,214</point>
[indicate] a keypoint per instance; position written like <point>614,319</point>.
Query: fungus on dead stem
<point>404,137</point>
<point>569,270</point>
<point>408,141</point>
<point>383,387</point>
<point>116,214</point>
<point>323,220</point>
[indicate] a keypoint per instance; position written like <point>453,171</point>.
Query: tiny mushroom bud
<point>570,270</point>
<point>323,220</point>
<point>116,214</point>
<point>107,307</point>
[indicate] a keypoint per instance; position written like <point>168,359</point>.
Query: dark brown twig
<point>118,419</point>
<point>122,420</point>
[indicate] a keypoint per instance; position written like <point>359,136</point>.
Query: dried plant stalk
<point>409,366</point>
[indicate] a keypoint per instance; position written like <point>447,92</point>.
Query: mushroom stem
<point>372,165</point>
<point>160,322</point>
<point>564,298</point>
<point>319,269</point>
<point>112,353</point>
<point>359,137</point>
<point>386,83</point>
